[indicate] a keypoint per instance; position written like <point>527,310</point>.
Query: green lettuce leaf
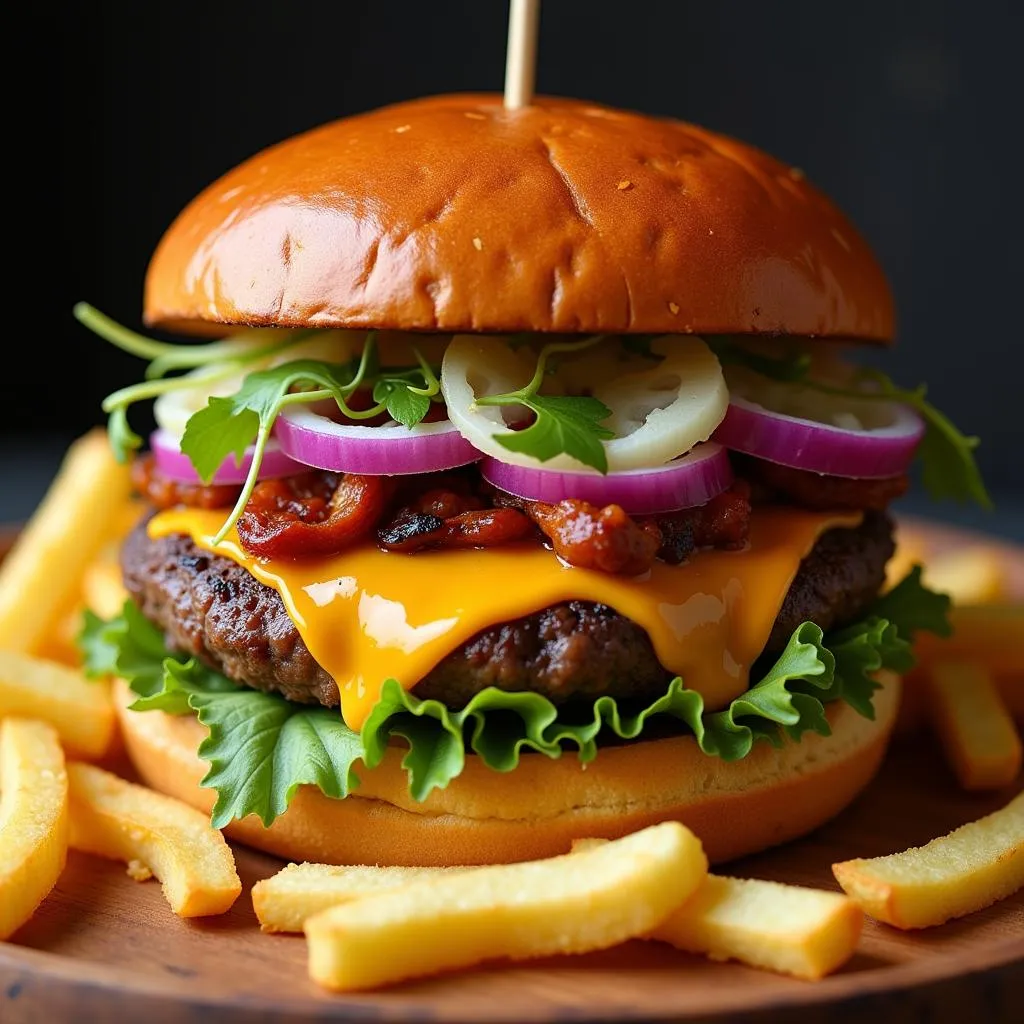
<point>261,747</point>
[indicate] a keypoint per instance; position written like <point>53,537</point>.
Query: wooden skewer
<point>521,56</point>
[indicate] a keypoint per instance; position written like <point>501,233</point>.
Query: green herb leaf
<point>914,607</point>
<point>123,440</point>
<point>227,426</point>
<point>566,424</point>
<point>404,403</point>
<point>563,424</point>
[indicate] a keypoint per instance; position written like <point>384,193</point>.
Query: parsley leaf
<point>405,404</point>
<point>564,423</point>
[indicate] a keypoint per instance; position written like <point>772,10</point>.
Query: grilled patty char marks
<point>212,608</point>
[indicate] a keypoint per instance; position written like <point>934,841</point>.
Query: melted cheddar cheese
<point>367,615</point>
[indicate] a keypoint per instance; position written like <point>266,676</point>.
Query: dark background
<point>907,113</point>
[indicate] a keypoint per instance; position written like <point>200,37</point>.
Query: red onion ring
<point>315,440</point>
<point>691,480</point>
<point>174,463</point>
<point>820,447</point>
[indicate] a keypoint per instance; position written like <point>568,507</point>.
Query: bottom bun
<point>485,817</point>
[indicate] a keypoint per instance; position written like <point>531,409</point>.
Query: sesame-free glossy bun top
<point>451,213</point>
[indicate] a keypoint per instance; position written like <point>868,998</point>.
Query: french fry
<point>115,818</point>
<point>33,818</point>
<point>978,736</point>
<point>42,574</point>
<point>81,710</point>
<point>910,551</point>
<point>284,901</point>
<point>975,574</point>
<point>568,904</point>
<point>991,635</point>
<point>103,588</point>
<point>789,929</point>
<point>956,874</point>
<point>60,643</point>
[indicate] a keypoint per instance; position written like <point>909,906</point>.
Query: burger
<point>518,476</point>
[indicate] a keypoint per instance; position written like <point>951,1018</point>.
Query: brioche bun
<point>484,817</point>
<point>452,213</point>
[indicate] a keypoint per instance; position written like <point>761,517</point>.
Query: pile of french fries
<point>368,926</point>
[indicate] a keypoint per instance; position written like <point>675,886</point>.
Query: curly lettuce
<point>262,747</point>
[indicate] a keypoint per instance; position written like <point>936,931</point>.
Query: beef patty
<point>212,608</point>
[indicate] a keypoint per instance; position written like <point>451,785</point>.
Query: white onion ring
<point>658,411</point>
<point>686,482</point>
<point>315,440</point>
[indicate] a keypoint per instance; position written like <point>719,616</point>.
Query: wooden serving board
<point>105,948</point>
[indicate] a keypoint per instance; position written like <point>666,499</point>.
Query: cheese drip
<point>367,615</point>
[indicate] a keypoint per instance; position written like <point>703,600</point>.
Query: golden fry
<point>42,575</point>
<point>33,818</point>
<point>103,588</point>
<point>978,736</point>
<point>910,551</point>
<point>115,818</point>
<point>970,575</point>
<point>956,874</point>
<point>284,901</point>
<point>569,904</point>
<point>990,635</point>
<point>81,710</point>
<point>789,929</point>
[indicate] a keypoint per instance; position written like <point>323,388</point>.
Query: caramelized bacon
<point>163,492</point>
<point>412,531</point>
<point>312,515</point>
<point>597,538</point>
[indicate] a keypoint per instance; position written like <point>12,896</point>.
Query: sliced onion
<point>820,447</point>
<point>174,463</point>
<point>658,411</point>
<point>691,480</point>
<point>389,450</point>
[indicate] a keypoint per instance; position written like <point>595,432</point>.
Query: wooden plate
<point>103,947</point>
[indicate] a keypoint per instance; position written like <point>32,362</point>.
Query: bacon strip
<point>597,538</point>
<point>313,515</point>
<point>412,531</point>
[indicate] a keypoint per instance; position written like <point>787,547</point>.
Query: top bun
<point>451,213</point>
